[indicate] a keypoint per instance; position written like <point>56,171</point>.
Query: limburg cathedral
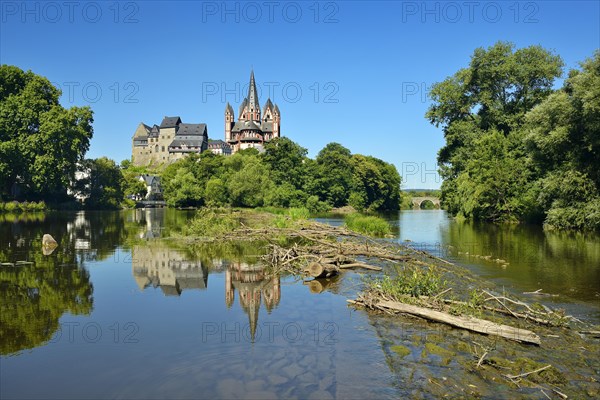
<point>173,139</point>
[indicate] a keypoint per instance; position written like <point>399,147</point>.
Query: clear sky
<point>353,72</point>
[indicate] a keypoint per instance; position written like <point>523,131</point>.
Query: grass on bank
<point>368,225</point>
<point>25,206</point>
<point>215,222</point>
<point>413,282</point>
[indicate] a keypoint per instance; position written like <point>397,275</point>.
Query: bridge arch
<point>418,201</point>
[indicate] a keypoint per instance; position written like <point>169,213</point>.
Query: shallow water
<point>520,258</point>
<point>116,312</point>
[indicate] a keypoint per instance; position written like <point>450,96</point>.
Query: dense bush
<point>283,177</point>
<point>14,206</point>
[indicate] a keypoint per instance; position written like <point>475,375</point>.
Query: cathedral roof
<point>268,105</point>
<point>228,108</point>
<point>245,125</point>
<point>267,126</point>
<point>252,93</point>
<point>243,105</point>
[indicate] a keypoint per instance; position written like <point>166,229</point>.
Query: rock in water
<point>48,241</point>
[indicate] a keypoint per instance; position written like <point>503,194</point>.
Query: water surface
<point>115,311</point>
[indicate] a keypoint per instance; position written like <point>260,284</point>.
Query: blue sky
<point>352,72</point>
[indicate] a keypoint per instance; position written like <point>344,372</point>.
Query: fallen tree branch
<point>360,265</point>
<point>469,323</point>
<point>513,377</point>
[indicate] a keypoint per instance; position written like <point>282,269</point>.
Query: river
<point>116,312</point>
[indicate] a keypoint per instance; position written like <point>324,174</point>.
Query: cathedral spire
<point>253,106</point>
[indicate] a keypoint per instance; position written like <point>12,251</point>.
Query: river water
<point>116,312</point>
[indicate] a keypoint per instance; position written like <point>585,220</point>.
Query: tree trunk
<point>318,270</point>
<point>469,323</point>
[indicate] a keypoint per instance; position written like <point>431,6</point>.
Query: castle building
<point>219,147</point>
<point>167,143</point>
<point>252,128</point>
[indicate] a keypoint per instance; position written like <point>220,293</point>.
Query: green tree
<point>249,180</point>
<point>375,184</point>
<point>331,177</point>
<point>215,193</point>
<point>492,186</point>
<point>133,186</point>
<point>286,160</point>
<point>182,188</point>
<point>493,94</point>
<point>40,141</point>
<point>563,139</point>
<point>104,184</point>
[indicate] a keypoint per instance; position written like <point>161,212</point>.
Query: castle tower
<point>229,121</point>
<point>276,121</point>
<point>268,110</point>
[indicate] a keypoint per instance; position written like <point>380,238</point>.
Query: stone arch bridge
<point>418,201</point>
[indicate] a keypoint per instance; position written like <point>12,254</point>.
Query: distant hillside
<point>423,192</point>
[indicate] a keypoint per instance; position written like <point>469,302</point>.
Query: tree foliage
<point>516,149</point>
<point>283,176</point>
<point>40,141</point>
<point>106,184</point>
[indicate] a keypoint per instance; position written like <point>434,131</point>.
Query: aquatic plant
<point>413,282</point>
<point>368,224</point>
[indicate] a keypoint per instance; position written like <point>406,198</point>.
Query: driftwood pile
<point>322,251</point>
<point>318,261</point>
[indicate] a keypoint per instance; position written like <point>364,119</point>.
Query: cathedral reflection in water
<point>252,285</point>
<point>155,264</point>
